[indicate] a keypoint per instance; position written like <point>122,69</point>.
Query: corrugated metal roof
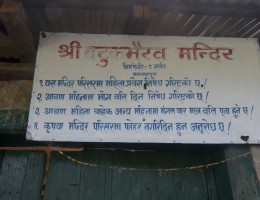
<point>53,19</point>
<point>76,20</point>
<point>204,25</point>
<point>215,18</point>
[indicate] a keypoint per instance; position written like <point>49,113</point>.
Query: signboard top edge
<point>44,35</point>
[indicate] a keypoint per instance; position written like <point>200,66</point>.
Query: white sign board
<point>108,88</point>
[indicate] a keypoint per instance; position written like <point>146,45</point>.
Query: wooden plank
<point>185,183</point>
<point>97,180</point>
<point>21,175</point>
<point>69,180</point>
<point>203,8</point>
<point>134,184</point>
<point>16,71</point>
<point>14,19</point>
<point>210,183</point>
<point>244,182</point>
<point>218,182</point>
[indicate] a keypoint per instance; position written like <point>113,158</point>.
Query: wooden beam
<point>13,18</point>
<point>198,7</point>
<point>138,11</point>
<point>16,71</point>
<point>140,20</point>
<point>7,48</point>
<point>41,148</point>
<point>142,12</point>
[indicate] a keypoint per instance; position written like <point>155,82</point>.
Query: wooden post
<point>242,174</point>
<point>14,19</point>
<point>255,149</point>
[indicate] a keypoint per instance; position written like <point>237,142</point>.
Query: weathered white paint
<point>225,82</point>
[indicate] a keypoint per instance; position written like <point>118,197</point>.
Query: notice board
<point>118,88</point>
